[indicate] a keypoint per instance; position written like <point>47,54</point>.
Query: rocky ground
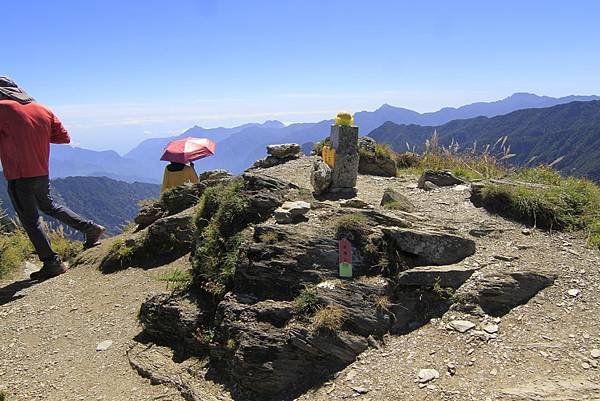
<point>546,349</point>
<point>51,331</point>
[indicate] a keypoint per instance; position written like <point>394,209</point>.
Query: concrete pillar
<point>344,140</point>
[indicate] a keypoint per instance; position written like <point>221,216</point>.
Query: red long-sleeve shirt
<point>26,131</point>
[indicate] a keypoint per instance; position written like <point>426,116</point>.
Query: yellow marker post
<point>328,155</point>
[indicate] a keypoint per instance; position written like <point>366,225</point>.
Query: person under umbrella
<point>180,153</point>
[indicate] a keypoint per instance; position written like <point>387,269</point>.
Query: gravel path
<point>50,332</point>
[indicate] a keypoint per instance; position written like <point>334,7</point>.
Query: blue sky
<point>119,71</point>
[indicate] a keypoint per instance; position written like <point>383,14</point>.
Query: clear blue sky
<point>119,71</point>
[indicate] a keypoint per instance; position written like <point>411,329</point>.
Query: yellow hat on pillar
<point>344,118</point>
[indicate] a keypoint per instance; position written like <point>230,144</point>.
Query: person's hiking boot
<point>93,235</point>
<point>49,270</point>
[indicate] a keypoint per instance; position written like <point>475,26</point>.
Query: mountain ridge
<point>142,162</point>
<point>570,130</point>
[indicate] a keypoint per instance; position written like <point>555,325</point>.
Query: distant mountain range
<point>108,202</point>
<point>239,147</point>
<point>570,131</point>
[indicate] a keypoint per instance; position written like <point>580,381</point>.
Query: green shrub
<point>14,249</point>
<point>119,255</point>
<point>384,151</point>
<point>470,164</point>
<point>538,175</point>
<point>177,279</point>
<point>308,301</point>
<point>352,226</point>
<point>318,147</point>
<point>220,218</point>
<point>208,205</point>
<point>65,247</point>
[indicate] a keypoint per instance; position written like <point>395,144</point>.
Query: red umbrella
<point>188,149</point>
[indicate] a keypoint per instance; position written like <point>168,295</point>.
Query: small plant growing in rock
<point>393,205</point>
<point>329,318</point>
<point>119,255</point>
<point>269,237</point>
<point>384,151</point>
<point>3,395</point>
<point>442,292</point>
<point>177,280</point>
<point>354,224</point>
<point>231,345</point>
<point>308,301</point>
<point>206,336</point>
<point>383,304</point>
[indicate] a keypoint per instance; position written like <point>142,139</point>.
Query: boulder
<point>396,200</point>
<point>439,178</point>
<point>356,203</point>
<point>452,276</point>
<point>371,164</point>
<point>284,150</point>
<point>216,174</point>
<point>174,321</point>
<point>170,236</point>
<point>180,198</point>
<point>270,362</point>
<point>271,352</point>
<point>320,177</point>
<point>430,247</point>
<point>291,211</point>
<point>498,293</point>
<point>429,186</point>
<point>367,144</point>
<point>462,326</point>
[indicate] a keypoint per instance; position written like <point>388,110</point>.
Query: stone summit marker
<point>341,156</point>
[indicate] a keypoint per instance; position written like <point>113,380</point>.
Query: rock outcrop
<point>279,154</point>
<point>429,247</point>
<point>371,162</point>
<point>439,178</point>
<point>393,199</point>
<point>497,293</point>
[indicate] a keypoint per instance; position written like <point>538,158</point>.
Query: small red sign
<point>345,251</point>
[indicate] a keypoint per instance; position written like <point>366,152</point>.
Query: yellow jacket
<point>176,178</point>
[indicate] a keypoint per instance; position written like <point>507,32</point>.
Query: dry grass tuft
<point>329,318</point>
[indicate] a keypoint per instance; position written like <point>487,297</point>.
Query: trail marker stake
<point>345,248</point>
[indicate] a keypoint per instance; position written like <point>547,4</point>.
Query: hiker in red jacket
<point>26,130</point>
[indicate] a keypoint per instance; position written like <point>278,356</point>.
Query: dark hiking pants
<point>30,194</point>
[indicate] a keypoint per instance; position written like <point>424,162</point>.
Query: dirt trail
<point>50,332</point>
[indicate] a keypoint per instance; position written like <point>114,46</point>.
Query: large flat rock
<point>430,247</point>
<point>426,276</point>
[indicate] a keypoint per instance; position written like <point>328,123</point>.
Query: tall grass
<point>470,163</point>
<point>556,202</point>
<point>15,246</point>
